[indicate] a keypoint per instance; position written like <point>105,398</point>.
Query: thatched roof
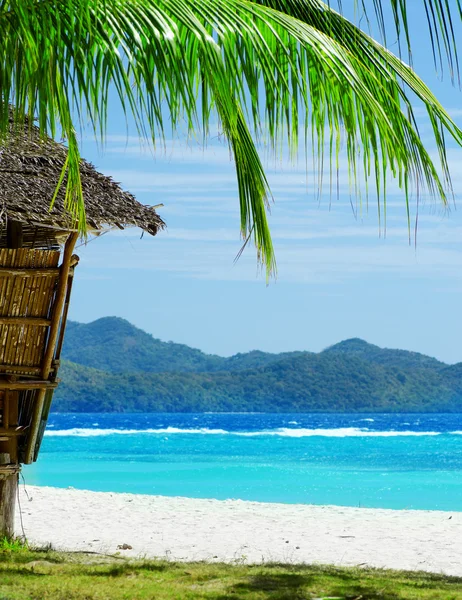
<point>29,172</point>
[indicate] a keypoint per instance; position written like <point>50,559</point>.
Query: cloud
<point>158,181</point>
<point>177,153</point>
<point>317,239</point>
<point>316,257</point>
<point>211,171</point>
<point>454,112</point>
<point>202,235</point>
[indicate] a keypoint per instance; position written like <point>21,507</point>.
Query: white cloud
<point>454,112</point>
<point>175,153</point>
<point>319,257</point>
<point>158,181</point>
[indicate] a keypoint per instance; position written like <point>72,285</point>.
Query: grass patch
<point>43,574</point>
<point>13,545</point>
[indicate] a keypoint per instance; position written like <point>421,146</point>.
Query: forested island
<point>112,366</point>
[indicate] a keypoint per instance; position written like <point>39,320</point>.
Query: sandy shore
<point>233,530</point>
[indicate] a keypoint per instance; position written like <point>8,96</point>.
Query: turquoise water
<point>386,461</point>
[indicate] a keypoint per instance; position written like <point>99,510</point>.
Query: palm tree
<point>294,70</point>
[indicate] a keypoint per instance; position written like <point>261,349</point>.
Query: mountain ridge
<point>84,344</point>
<point>111,365</point>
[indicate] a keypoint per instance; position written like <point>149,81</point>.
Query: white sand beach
<point>234,530</point>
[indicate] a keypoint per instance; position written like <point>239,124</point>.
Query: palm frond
<point>273,66</point>
<point>441,15</point>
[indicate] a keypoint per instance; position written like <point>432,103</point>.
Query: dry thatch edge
<point>30,168</point>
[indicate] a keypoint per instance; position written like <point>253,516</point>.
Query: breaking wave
<point>282,432</point>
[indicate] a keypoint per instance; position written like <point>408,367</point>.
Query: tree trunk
<point>8,491</point>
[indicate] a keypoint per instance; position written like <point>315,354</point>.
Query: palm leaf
<point>441,16</point>
<point>270,68</point>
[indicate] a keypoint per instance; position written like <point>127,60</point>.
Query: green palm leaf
<point>272,67</point>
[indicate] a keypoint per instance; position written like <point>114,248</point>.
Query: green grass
<point>28,574</point>
<point>8,546</point>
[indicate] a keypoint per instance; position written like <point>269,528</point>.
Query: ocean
<point>406,461</point>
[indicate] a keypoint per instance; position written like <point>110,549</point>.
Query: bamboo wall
<point>34,296</point>
<point>28,281</point>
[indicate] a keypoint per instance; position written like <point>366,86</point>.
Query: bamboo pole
<point>26,272</point>
<point>51,344</point>
<point>9,433</point>
<point>58,304</point>
<point>59,346</point>
<point>36,321</point>
<point>56,361</point>
<point>6,410</point>
<point>8,491</point>
<point>30,384</point>
<point>24,371</point>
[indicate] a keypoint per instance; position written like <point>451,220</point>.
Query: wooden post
<point>8,491</point>
<point>14,235</point>
<point>9,467</point>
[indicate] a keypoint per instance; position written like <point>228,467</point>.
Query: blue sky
<point>337,277</point>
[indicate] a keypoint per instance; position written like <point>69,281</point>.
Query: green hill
<point>383,356</point>
<point>113,366</point>
<point>115,345</point>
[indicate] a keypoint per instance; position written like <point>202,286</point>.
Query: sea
<point>397,461</point>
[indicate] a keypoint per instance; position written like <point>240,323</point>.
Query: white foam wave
<point>340,432</point>
<point>87,432</point>
<point>283,432</point>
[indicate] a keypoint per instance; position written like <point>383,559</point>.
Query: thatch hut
<point>35,286</point>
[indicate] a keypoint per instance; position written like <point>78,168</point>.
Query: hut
<point>36,273</point>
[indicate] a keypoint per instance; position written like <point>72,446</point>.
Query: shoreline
<point>187,529</point>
